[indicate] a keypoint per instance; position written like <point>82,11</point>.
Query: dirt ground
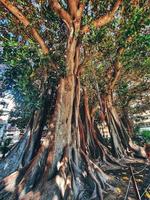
<point>123,183</point>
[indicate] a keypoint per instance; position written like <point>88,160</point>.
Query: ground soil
<point>121,179</point>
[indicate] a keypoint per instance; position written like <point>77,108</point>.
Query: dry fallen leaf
<point>147,195</point>
<point>139,180</point>
<point>140,175</point>
<point>130,198</point>
<point>117,190</point>
<point>125,178</point>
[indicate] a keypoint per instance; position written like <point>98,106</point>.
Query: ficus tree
<point>58,162</point>
<point>133,88</point>
<point>134,81</point>
<point>114,62</point>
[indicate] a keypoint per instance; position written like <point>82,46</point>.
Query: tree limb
<point>101,21</point>
<point>72,7</point>
<point>64,15</point>
<point>80,9</point>
<point>15,11</point>
<point>118,65</point>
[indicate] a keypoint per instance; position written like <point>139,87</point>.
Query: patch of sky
<point>1,47</point>
<point>43,28</point>
<point>36,5</point>
<point>31,62</point>
<point>2,68</point>
<point>64,4</point>
<point>3,21</point>
<point>19,38</point>
<point>11,35</point>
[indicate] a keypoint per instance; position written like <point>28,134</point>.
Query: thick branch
<point>118,66</point>
<point>64,15</point>
<point>72,7</point>
<point>101,21</point>
<point>80,9</point>
<point>26,23</point>
<point>135,2</point>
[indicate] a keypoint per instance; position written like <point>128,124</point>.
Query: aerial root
<point>99,177</point>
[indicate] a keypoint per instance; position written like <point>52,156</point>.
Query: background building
<point>6,129</point>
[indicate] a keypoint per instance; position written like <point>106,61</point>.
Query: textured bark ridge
<point>118,133</point>
<point>15,159</point>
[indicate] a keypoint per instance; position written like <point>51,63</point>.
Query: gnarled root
<point>75,178</point>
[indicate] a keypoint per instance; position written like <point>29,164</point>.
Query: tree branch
<point>118,65</point>
<point>80,9</point>
<point>15,11</point>
<point>64,15</point>
<point>72,7</point>
<point>101,21</point>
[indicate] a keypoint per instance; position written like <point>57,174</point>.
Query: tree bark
<point>127,121</point>
<point>115,130</point>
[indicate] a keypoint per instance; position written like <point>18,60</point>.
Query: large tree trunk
<point>109,114</point>
<point>118,133</point>
<point>96,146</point>
<point>127,121</point>
<point>25,150</point>
<point>58,168</point>
<point>15,158</point>
<point>119,137</point>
